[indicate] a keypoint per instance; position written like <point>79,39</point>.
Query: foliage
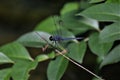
<point>77,20</point>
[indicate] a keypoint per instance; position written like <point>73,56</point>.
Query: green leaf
<point>78,24</point>
<point>95,1</point>
<point>47,25</point>
<point>51,55</point>
<point>77,51</point>
<point>23,63</point>
<point>15,50</point>
<point>21,69</point>
<point>4,59</point>
<point>56,68</point>
<point>44,57</point>
<point>5,74</point>
<point>69,7</point>
<point>103,12</point>
<point>112,57</point>
<point>98,48</point>
<point>110,33</point>
<point>34,39</point>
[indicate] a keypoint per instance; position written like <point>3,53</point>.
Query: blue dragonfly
<point>58,38</point>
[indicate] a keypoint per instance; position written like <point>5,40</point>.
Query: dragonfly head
<point>51,38</point>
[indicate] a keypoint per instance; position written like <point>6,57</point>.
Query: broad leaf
<point>5,74</point>
<point>34,39</point>
<point>78,24</point>
<point>110,33</point>
<point>23,63</point>
<point>98,48</point>
<point>4,59</point>
<point>112,57</point>
<point>103,12</point>
<point>57,68</point>
<point>77,51</point>
<point>47,25</point>
<point>15,50</point>
<point>21,69</point>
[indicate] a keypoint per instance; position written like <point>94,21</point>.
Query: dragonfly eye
<point>51,38</point>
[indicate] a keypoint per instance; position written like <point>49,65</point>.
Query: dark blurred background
<point>21,16</point>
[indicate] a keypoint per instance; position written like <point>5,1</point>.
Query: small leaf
<point>110,33</point>
<point>69,7</point>
<point>103,12</point>
<point>112,57</point>
<point>51,55</point>
<point>77,51</point>
<point>15,50</point>
<point>4,59</point>
<point>5,74</point>
<point>57,68</point>
<point>34,39</point>
<point>98,48</point>
<point>78,24</point>
<point>95,1</point>
<point>43,57</point>
<point>83,5</point>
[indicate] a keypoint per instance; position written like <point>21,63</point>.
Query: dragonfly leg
<point>44,48</point>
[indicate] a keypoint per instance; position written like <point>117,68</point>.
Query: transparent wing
<point>62,32</point>
<point>57,26</point>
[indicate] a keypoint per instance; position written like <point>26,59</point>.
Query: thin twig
<point>79,65</point>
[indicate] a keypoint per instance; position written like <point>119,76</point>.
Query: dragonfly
<point>59,36</point>
<point>57,39</point>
